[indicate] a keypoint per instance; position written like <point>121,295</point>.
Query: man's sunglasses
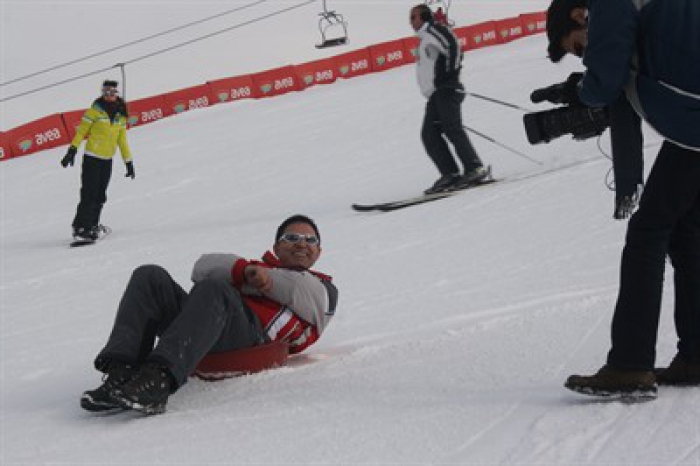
<point>109,92</point>
<point>295,238</point>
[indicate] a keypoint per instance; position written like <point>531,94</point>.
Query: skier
<point>104,125</point>
<point>235,303</point>
<point>649,49</point>
<point>439,65</point>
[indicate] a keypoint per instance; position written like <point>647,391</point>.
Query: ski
<point>417,200</point>
<point>400,203</point>
<point>102,230</point>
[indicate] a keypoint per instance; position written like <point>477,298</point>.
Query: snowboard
<point>102,232</point>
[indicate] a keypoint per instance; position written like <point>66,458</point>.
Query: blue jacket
<point>651,50</point>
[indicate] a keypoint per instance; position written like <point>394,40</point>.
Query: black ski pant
<point>443,118</point>
<point>211,318</point>
<point>627,147</point>
<point>95,177</point>
<point>666,224</point>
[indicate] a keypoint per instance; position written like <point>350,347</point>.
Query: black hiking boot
<point>444,183</point>
<point>147,391</point>
<point>100,399</point>
<point>628,386</point>
<point>682,372</point>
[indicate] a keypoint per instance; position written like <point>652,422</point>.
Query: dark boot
<point>444,183</point>
<point>100,399</point>
<point>615,384</point>
<point>472,178</point>
<point>85,234</point>
<point>682,372</point>
<point>147,391</point>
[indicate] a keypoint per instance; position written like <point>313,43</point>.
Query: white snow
<point>458,322</point>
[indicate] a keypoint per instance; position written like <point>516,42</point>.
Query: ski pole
<point>509,149</point>
<point>496,101</point>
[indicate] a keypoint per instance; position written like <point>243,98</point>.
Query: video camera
<point>574,118</point>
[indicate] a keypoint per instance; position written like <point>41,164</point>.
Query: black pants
<point>443,116</point>
<point>627,147</point>
<point>212,318</point>
<point>95,178</point>
<point>666,224</point>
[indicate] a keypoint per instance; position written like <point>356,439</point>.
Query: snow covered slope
<point>458,320</point>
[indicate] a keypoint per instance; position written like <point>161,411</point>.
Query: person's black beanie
<point>559,24</point>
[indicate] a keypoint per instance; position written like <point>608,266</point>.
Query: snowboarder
<point>104,125</point>
<point>438,68</point>
<point>235,303</point>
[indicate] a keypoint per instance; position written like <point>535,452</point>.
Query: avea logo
<point>180,107</point>
<point>490,35</point>
<point>477,39</point>
<point>265,88</point>
<point>25,144</point>
<point>504,33</point>
<point>308,79</point>
<point>223,96</point>
<point>344,69</point>
<point>2,152</point>
<point>381,60</point>
<point>531,27</point>
<point>133,119</point>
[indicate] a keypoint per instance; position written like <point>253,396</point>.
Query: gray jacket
<point>310,298</point>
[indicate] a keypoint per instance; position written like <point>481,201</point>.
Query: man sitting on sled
<point>235,304</point>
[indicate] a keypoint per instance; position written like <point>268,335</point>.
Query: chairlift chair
<point>332,22</point>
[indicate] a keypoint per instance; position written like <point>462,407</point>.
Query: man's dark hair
<point>298,218</point>
<point>559,24</point>
<point>426,14</point>
<point>110,83</point>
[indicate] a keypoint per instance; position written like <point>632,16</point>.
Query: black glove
<point>569,93</point>
<point>130,173</point>
<point>625,205</point>
<point>69,158</point>
<point>563,93</point>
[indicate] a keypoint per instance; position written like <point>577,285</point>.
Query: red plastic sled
<point>217,366</point>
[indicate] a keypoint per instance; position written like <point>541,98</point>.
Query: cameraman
<point>649,49</point>
<point>625,125</point>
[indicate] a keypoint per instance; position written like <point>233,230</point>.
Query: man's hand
<point>69,158</point>
<point>569,94</point>
<point>130,173</point>
<point>258,277</point>
<point>626,205</point>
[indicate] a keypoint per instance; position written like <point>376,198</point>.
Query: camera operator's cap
<point>559,24</point>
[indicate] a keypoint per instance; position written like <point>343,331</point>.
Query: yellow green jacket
<point>103,136</point>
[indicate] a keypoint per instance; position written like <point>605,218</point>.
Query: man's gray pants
<point>211,318</point>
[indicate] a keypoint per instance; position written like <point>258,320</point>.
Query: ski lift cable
<point>134,42</point>
<point>158,52</point>
<point>216,33</point>
<point>59,83</point>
